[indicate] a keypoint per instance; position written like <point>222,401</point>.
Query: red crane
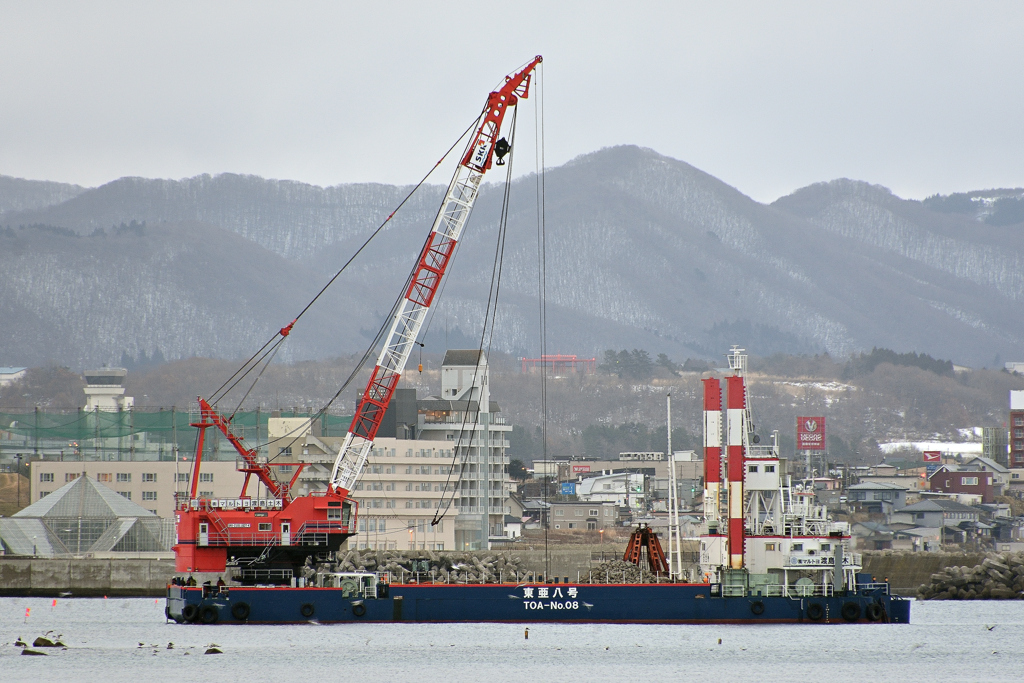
<point>272,536</point>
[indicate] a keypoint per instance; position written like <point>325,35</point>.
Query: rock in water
<point>213,651</point>
<point>35,653</point>
<point>42,641</point>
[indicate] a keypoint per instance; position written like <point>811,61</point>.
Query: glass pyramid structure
<point>81,518</point>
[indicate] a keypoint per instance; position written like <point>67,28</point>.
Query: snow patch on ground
<point>822,386</point>
<point>946,447</point>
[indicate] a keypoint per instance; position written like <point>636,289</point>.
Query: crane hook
<point>501,148</point>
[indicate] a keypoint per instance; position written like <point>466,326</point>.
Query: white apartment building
<point>151,484</point>
<point>398,493</point>
<point>435,428</point>
<point>465,418</point>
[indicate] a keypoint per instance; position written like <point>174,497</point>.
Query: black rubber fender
<point>189,612</point>
<point>307,610</point>
<point>359,609</point>
<point>815,611</point>
<point>874,611</point>
<point>240,611</point>
<point>851,611</point>
<point>757,607</point>
<point>208,615</point>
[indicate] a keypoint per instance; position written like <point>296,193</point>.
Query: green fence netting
<point>134,434</point>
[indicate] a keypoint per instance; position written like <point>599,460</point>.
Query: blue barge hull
<point>572,603</point>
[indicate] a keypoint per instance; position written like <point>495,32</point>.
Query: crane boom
<point>430,269</point>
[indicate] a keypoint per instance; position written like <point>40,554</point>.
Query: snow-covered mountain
<point>643,251</point>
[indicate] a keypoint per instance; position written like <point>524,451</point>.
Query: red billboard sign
<point>810,433</point>
<point>932,456</point>
<point>579,469</point>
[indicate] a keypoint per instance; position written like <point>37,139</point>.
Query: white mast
<point>675,557</point>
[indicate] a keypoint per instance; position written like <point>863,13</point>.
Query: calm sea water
<point>946,641</point>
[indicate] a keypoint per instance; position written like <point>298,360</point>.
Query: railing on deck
<point>884,586</point>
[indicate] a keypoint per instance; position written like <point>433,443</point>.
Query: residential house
<point>917,539</point>
<point>957,523</point>
<point>625,490</point>
<point>584,516</point>
<point>913,483</point>
<point>880,497</point>
<point>871,536</point>
<point>936,513</point>
<point>1016,480</point>
<point>1000,473</point>
<point>967,482</point>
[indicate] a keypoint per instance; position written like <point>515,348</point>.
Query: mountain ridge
<point>644,251</point>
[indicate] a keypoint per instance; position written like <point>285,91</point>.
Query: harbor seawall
<point>84,577</point>
<point>907,571</point>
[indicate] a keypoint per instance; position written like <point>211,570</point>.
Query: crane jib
<point>437,252</point>
<point>430,269</point>
<point>517,85</point>
<point>374,403</point>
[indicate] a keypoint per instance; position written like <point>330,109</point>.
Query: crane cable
<point>281,334</point>
<point>542,293</point>
<point>486,333</point>
<point>385,324</point>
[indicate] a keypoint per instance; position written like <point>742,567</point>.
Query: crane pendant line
<point>433,262</point>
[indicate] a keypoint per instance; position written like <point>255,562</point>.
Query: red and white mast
<point>736,428</point>
<point>712,448</point>
<point>430,270</point>
<point>736,464</point>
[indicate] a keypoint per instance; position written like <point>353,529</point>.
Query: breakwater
<point>84,577</point>
<point>149,577</point>
<point>907,571</point>
<point>998,577</point>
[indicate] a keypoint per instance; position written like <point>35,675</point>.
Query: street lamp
<point>602,536</point>
<point>17,474</point>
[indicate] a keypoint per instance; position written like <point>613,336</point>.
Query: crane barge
<point>772,557</point>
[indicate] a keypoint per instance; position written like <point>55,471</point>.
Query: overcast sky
<point>920,97</point>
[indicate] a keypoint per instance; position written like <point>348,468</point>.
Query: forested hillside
<point>643,251</point>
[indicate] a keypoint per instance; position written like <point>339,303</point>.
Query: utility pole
<point>675,560</point>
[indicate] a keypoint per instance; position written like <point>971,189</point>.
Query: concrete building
<point>104,390</point>
<point>464,418</point>
<point>626,489</point>
<point>405,485</point>
<point>1017,429</point>
<point>1016,457</point>
<point>592,516</point>
<point>11,375</point>
<point>151,485</point>
<point>402,486</point>
<point>461,435</point>
<point>995,444</point>
<point>688,466</point>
